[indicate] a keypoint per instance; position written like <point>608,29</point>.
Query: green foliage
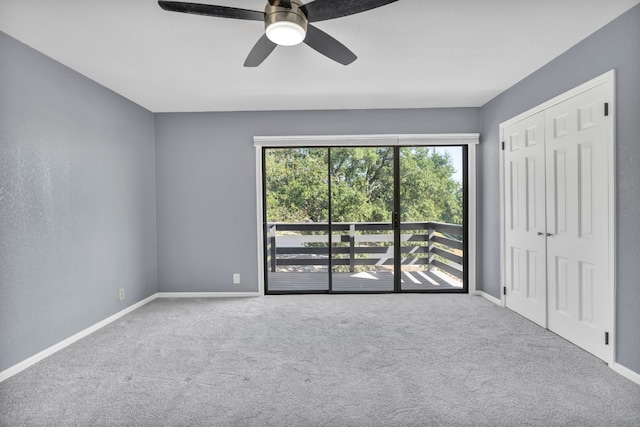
<point>427,189</point>
<point>361,185</point>
<point>297,188</point>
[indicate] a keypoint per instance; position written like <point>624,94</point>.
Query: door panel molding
<point>525,201</point>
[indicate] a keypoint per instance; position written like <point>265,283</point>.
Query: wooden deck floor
<point>380,281</point>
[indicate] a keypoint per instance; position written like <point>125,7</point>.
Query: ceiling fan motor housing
<point>291,20</point>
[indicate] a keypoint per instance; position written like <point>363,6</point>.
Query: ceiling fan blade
<point>321,10</point>
<point>260,51</point>
<point>211,10</point>
<point>328,46</point>
<point>281,3</point>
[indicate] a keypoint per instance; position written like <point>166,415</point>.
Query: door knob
<point>540,233</point>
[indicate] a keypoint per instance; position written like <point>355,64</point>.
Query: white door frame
<point>608,79</point>
<point>442,139</point>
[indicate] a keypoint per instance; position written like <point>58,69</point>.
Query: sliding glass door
<point>364,219</point>
<point>362,202</point>
<point>296,230</point>
<point>432,207</point>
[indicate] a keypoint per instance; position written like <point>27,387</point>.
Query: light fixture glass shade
<point>286,33</point>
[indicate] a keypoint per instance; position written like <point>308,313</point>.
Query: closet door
<point>577,220</point>
<point>525,218</point>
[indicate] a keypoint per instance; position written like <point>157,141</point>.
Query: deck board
<point>381,281</point>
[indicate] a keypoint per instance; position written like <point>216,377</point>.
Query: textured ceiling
<point>411,54</point>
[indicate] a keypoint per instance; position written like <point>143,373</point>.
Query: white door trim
<point>608,79</point>
<point>468,139</point>
<point>367,140</point>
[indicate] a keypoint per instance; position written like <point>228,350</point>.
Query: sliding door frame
<point>470,140</point>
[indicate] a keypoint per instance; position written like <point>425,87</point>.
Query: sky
<point>456,156</point>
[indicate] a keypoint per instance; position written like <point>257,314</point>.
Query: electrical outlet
<point>121,294</point>
<point>236,278</point>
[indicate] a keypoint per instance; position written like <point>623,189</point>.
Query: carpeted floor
<point>321,360</point>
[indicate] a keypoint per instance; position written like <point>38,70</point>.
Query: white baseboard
<point>626,372</point>
<point>19,367</point>
<point>206,294</point>
<point>622,370</point>
<point>489,297</point>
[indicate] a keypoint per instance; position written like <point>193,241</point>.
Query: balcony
<point>297,256</point>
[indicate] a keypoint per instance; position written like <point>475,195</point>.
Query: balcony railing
<point>426,245</point>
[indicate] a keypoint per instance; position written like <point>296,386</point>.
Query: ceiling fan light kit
<point>285,26</point>
<point>287,23</point>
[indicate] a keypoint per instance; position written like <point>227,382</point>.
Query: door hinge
<point>504,290</point>
<point>606,109</point>
<point>503,145</point>
<point>606,338</point>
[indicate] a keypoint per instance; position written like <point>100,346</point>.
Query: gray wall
<point>77,202</point>
<point>206,183</point>
<point>615,46</point>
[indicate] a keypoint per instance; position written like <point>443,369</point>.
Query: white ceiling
<point>411,54</point>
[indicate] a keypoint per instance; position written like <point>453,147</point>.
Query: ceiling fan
<point>287,23</point>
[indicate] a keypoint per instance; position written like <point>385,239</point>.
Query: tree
<point>296,185</point>
<point>361,180</point>
<point>362,184</point>
<point>428,191</point>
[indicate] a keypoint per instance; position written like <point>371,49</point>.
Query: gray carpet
<point>321,360</point>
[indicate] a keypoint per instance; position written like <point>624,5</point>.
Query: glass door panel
<point>431,218</point>
<point>296,231</point>
<point>362,202</point>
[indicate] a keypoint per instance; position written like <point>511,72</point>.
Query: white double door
<point>557,219</point>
